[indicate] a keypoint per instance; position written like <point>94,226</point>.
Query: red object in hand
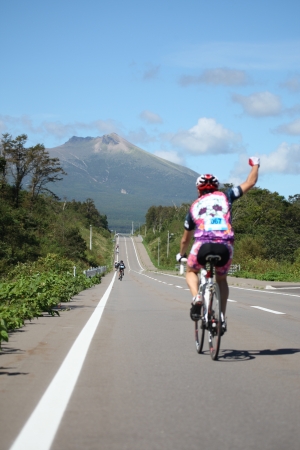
<point>254,161</point>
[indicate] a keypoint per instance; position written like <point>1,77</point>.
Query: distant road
<point>142,386</point>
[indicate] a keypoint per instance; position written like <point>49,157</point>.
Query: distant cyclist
<point>116,265</point>
<point>121,268</point>
<point>209,221</point>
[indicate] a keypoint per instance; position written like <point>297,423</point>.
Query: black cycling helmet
<point>207,182</point>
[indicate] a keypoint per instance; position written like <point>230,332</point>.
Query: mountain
<point>122,179</point>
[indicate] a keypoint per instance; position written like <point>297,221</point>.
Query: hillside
<point>122,179</point>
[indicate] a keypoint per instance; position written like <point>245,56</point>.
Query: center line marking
<point>267,310</point>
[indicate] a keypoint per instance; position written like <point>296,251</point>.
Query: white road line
<point>264,292</point>
<point>233,301</point>
<point>136,255</point>
<point>127,256</point>
<point>271,287</point>
<point>169,275</point>
<point>39,431</point>
<point>267,310</point>
<point>180,287</point>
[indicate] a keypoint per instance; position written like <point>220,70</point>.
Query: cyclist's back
<point>121,266</point>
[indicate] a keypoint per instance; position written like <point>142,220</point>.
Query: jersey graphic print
<point>211,215</point>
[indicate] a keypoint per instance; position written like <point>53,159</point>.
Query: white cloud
<point>292,128</point>
<point>140,137</point>
<point>170,156</point>
<point>292,83</point>
<point>19,125</point>
<point>150,117</point>
<point>104,126</point>
<point>207,136</point>
<point>221,76</point>
<point>3,126</point>
<point>55,129</point>
<point>284,160</point>
<point>260,104</point>
<point>59,130</point>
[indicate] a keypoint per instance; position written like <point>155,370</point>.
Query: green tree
<point>44,170</point>
<point>88,210</point>
<point>18,159</point>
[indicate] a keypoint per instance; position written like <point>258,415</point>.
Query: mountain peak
<point>76,139</point>
<point>111,139</point>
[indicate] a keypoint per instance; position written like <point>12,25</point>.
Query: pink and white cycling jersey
<point>210,216</point>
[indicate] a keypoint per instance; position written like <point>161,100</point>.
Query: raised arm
<point>254,162</point>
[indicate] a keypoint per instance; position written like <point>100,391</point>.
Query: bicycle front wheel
<point>214,322</point>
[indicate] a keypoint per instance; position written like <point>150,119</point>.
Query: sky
<point>205,84</point>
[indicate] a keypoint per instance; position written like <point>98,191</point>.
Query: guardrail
<point>234,268</point>
<point>92,271</point>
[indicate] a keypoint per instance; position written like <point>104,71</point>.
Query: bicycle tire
<point>214,323</point>
<point>199,335</point>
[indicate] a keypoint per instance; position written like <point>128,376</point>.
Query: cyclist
<point>209,222</point>
<point>116,265</point>
<point>121,268</point>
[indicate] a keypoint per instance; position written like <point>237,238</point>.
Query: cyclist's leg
<point>192,269</point>
<point>192,280</point>
<point>221,279</point>
<point>224,290</point>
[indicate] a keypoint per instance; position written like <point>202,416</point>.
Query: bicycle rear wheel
<point>214,323</point>
<point>199,334</point>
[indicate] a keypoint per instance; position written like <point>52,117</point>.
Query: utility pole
<point>90,237</point>
<point>132,229</point>
<point>158,252</point>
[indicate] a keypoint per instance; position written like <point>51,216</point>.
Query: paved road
<point>142,385</point>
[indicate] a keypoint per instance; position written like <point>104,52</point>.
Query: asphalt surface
<point>143,385</point>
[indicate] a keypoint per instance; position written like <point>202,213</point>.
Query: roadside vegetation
<point>267,235</point>
<point>42,238</point>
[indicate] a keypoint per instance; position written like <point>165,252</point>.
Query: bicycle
<point>211,318</point>
<point>121,274</point>
<point>210,310</point>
